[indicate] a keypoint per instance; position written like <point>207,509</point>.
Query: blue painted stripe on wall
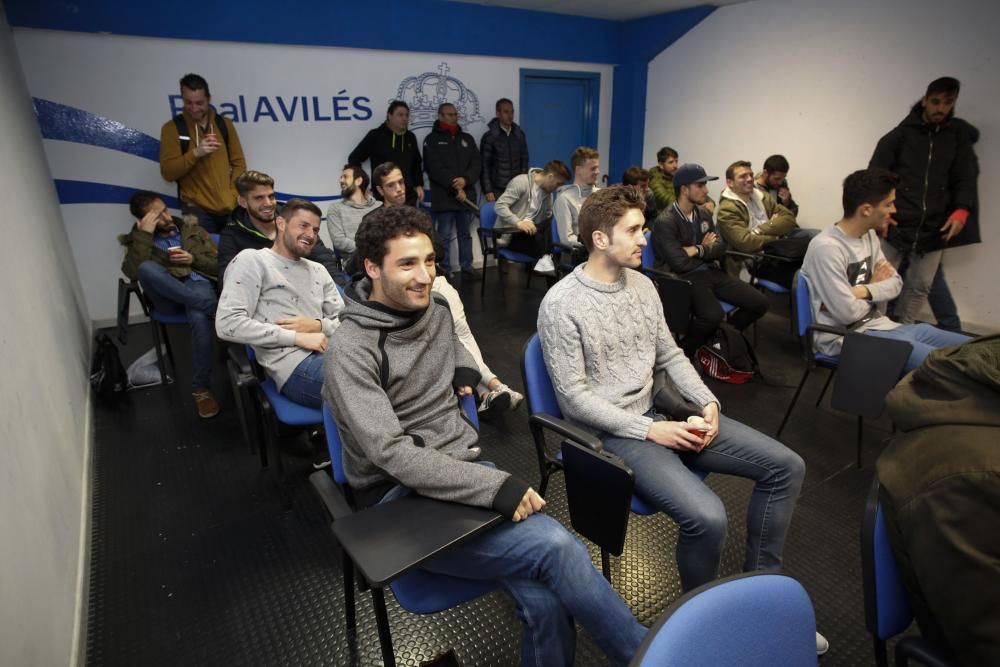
<point>66,123</point>
<point>85,192</point>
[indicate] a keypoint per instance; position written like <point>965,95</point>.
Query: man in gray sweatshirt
<point>392,377</point>
<point>604,337</point>
<point>283,305</point>
<point>526,207</point>
<point>343,217</point>
<point>849,277</point>
<point>586,170</point>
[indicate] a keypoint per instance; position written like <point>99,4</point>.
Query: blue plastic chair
<point>545,414</point>
<point>755,619</point>
<point>417,591</point>
<point>488,235</point>
<point>887,604</point>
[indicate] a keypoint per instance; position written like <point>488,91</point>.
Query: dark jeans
<point>534,245</point>
<point>210,222</point>
<point>462,222</point>
<point>196,299</point>
<point>708,287</point>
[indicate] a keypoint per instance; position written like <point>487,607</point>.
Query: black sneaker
<point>494,402</point>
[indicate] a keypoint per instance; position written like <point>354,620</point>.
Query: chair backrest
<point>215,238</point>
<point>887,605</point>
<point>538,387</point>
<point>755,619</point>
<point>336,446</point>
<point>488,215</point>
<point>803,309</point>
<point>648,257</point>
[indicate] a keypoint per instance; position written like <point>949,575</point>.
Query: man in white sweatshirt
<point>586,166</point>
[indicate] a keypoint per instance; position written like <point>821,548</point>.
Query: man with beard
<point>252,225</point>
<point>344,215</point>
<point>174,261</point>
<point>392,141</point>
<point>283,305</point>
<point>932,153</point>
<point>661,177</point>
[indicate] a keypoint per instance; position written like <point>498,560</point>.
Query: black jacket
<point>671,233</point>
<point>504,156</point>
<point>447,157</point>
<point>240,234</point>
<point>381,145</point>
<point>937,168</point>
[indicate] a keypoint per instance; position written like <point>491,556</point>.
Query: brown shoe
<point>205,402</point>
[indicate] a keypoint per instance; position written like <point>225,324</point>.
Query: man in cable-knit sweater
<point>392,383</point>
<point>603,337</point>
<point>283,305</point>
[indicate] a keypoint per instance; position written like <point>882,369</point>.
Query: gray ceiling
<point>603,9</point>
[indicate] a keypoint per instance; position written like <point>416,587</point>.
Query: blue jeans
<point>305,386</point>
<point>194,298</point>
<point>804,233</point>
<point>549,574</point>
<point>924,339</point>
<point>463,223</point>
<point>663,479</point>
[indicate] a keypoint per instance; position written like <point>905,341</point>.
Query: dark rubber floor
<point>195,561</point>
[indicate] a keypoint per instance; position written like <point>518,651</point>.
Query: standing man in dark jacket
<point>505,151</point>
<point>393,142</point>
<point>685,243</point>
<point>931,152</point>
<point>452,163</point>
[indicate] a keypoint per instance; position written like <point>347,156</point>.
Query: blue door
<point>559,111</point>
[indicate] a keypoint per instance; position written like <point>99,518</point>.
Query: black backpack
<point>727,356</point>
<point>782,271</point>
<point>107,375</point>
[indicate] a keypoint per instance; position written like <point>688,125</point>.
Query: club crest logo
<point>425,92</point>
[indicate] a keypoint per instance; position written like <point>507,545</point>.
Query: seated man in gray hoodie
<point>392,383</point>
<point>283,305</point>
<point>526,206</point>
<point>586,170</point>
<point>343,217</point>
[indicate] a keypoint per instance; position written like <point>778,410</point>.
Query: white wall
<point>820,81</point>
<point>129,79</point>
<point>44,407</point>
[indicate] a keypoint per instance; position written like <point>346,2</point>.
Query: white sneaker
<point>822,646</point>
<point>515,397</point>
<point>493,402</point>
<point>545,266</point>
<point>504,240</point>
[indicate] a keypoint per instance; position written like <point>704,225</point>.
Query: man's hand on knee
<point>530,503</point>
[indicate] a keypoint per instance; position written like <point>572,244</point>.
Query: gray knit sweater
<point>262,287</point>
<point>602,343</point>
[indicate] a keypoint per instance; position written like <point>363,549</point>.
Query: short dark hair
<point>776,163</point>
<point>581,155</point>
<point>294,204</point>
<point>446,104</point>
<point>867,186</point>
<point>502,101</point>
<point>139,202</point>
<point>383,225</point>
<point>635,175</point>
<point>945,85</point>
<point>731,169</point>
<point>602,210</point>
<point>664,153</point>
<point>195,82</point>
<point>557,167</point>
<point>358,172</point>
<point>250,179</point>
<point>395,104</point>
<point>382,171</point>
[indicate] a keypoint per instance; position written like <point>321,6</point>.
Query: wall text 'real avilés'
<point>279,108</point>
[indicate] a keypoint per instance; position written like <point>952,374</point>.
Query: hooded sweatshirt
<point>522,199</point>
<point>940,487</point>
<point>390,379</point>
<point>567,208</point>
<point>383,145</point>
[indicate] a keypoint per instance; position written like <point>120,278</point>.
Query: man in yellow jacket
<point>201,151</point>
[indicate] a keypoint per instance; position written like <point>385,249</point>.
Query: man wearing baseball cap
<point>685,243</point>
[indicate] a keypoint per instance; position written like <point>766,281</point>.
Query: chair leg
<point>606,564</point>
<point>482,286</point>
<point>861,424</point>
<point>382,621</point>
<point>881,657</point>
<point>791,405</point>
<point>350,613</point>
<point>159,351</point>
<point>829,379</point>
<point>170,349</point>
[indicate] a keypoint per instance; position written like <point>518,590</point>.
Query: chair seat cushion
<point>511,256</point>
<point>827,360</point>
<point>422,592</point>
<point>772,286</point>
<point>727,307</point>
<point>288,411</point>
